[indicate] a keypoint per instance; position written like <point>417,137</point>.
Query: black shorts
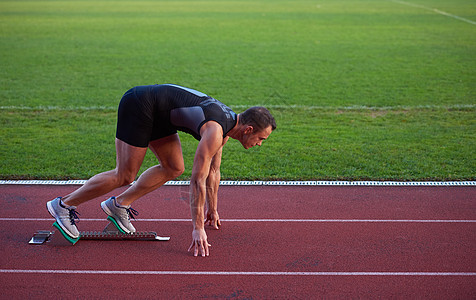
<point>137,121</point>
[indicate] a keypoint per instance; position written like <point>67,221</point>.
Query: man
<point>149,117</point>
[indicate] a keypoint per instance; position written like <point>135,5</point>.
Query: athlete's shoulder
<point>189,90</point>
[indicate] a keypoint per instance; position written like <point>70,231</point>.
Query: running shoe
<point>65,216</point>
<point>121,214</point>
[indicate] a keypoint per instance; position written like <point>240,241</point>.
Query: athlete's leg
<point>169,152</point>
<point>128,161</point>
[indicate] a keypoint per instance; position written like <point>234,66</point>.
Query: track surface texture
<point>275,242</point>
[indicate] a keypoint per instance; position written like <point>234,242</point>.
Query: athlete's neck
<point>236,132</point>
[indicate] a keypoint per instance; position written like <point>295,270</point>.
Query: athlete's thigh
<point>168,150</point>
<point>129,158</point>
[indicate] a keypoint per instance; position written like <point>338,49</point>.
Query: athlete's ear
<point>248,129</point>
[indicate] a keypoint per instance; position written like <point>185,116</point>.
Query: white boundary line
<point>270,106</point>
<point>434,10</point>
<point>220,273</point>
<point>260,220</point>
<point>266,183</point>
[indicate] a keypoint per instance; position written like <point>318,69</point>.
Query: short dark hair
<point>258,117</point>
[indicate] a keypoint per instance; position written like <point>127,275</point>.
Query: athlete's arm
<point>210,143</point>
<point>213,182</point>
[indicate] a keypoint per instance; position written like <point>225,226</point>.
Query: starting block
<point>112,232</point>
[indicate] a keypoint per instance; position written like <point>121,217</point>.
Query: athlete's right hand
<point>199,243</point>
<point>213,219</point>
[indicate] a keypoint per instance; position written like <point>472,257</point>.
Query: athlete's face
<point>253,138</point>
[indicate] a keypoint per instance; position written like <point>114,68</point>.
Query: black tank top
<point>186,109</point>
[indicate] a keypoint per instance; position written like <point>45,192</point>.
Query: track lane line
<point>269,183</point>
<point>262,220</point>
<point>138,272</point>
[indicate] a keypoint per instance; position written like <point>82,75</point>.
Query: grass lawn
<point>361,89</point>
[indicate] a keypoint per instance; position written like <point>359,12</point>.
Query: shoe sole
<point>58,221</point>
<point>110,214</point>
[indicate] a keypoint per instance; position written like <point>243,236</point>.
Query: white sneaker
<point>121,214</point>
<point>65,216</point>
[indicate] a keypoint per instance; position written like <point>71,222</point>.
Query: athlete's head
<point>258,123</point>
<point>258,117</point>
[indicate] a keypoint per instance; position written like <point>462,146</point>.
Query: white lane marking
<point>266,183</point>
<point>261,220</point>
<point>220,273</point>
<point>434,10</point>
<point>270,106</point>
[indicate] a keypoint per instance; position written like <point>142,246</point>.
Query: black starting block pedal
<point>112,232</point>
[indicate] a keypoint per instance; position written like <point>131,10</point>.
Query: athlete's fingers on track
<point>193,247</point>
<point>203,246</point>
<point>199,248</point>
<point>206,252</point>
<point>216,223</point>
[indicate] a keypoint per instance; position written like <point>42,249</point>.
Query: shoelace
<point>132,212</point>
<point>73,215</point>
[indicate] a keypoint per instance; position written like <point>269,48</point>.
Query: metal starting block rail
<point>111,233</point>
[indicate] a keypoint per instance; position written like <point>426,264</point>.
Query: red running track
<point>337,242</point>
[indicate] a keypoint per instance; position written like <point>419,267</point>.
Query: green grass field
<point>361,89</point>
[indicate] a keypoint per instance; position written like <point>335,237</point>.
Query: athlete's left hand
<point>213,219</point>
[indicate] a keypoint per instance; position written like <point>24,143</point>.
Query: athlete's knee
<point>175,170</point>
<point>125,178</point>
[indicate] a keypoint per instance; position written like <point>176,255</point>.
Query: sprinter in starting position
<point>149,117</point>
